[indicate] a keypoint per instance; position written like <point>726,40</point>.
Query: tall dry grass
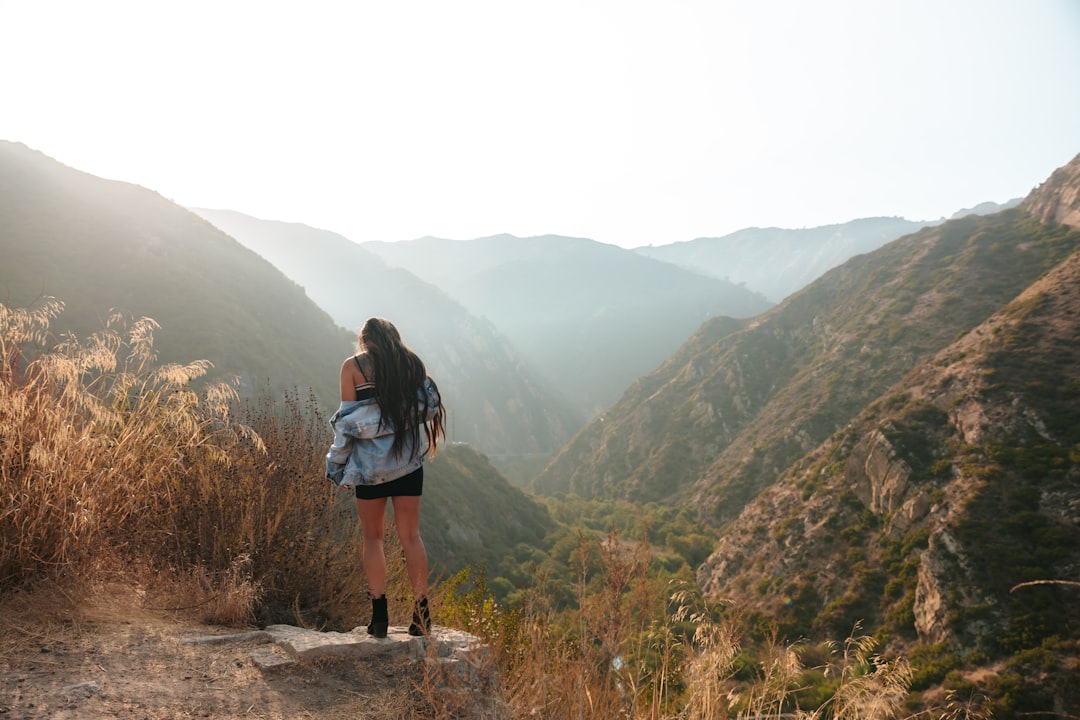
<point>113,465</point>
<point>635,650</point>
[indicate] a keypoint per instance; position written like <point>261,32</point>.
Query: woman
<point>389,421</point>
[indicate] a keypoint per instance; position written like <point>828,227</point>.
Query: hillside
<point>99,245</point>
<point>924,517</point>
<point>590,317</point>
<point>473,517</point>
<point>866,324</point>
<point>735,407</point>
<point>497,403</point>
<point>893,448</point>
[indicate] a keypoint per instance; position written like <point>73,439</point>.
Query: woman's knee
<point>408,535</point>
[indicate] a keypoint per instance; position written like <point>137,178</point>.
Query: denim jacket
<point>360,453</point>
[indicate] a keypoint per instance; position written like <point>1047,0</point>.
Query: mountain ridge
<point>591,317</point>
<point>103,245</point>
<point>497,403</point>
<point>736,410</point>
<point>778,261</point>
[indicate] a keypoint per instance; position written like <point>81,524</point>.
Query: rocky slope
<point>925,518</point>
<point>1058,199</point>
<point>116,653</point>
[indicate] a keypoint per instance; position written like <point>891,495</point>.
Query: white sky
<point>627,122</point>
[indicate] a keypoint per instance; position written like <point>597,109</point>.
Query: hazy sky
<point>627,122</point>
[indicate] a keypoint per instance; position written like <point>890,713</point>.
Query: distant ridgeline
<point>496,401</point>
<point>589,317</point>
<point>777,262</point>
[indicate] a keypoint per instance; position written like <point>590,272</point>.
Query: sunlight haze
<point>630,123</point>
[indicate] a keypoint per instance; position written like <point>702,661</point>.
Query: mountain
<point>99,245</point>
<point>590,317</point>
<point>736,405</point>
<point>892,451</point>
<point>496,402</point>
<point>941,516</point>
<point>776,262</point>
<point>1058,199</point>
<point>987,208</point>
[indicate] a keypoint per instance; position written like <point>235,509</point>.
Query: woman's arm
<point>352,377</point>
<point>347,392</point>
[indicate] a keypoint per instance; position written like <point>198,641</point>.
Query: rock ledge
<point>292,644</point>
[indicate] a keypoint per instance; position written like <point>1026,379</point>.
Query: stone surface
<point>268,658</point>
<point>878,475</point>
<point>456,663</point>
<point>256,635</point>
<point>295,644</point>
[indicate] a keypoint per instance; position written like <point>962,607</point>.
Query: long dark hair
<point>399,376</point>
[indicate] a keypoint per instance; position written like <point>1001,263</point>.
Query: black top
<point>365,391</point>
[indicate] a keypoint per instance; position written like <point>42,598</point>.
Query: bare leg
<point>407,520</point>
<point>373,523</point>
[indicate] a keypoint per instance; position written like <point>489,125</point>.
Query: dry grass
<point>33,615</point>
<point>110,462</point>
<point>632,650</point>
<point>113,469</point>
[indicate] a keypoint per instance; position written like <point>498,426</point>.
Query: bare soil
<point>110,658</point>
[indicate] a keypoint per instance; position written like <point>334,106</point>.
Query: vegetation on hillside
<point>944,517</point>
<point>113,468</point>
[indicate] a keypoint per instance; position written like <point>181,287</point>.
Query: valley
<point>887,441</point>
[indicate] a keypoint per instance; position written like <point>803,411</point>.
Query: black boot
<point>421,619</point>
<point>379,618</point>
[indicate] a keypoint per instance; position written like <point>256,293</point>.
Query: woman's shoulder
<point>358,357</point>
<point>360,361</point>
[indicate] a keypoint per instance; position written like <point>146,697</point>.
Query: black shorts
<point>409,485</point>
